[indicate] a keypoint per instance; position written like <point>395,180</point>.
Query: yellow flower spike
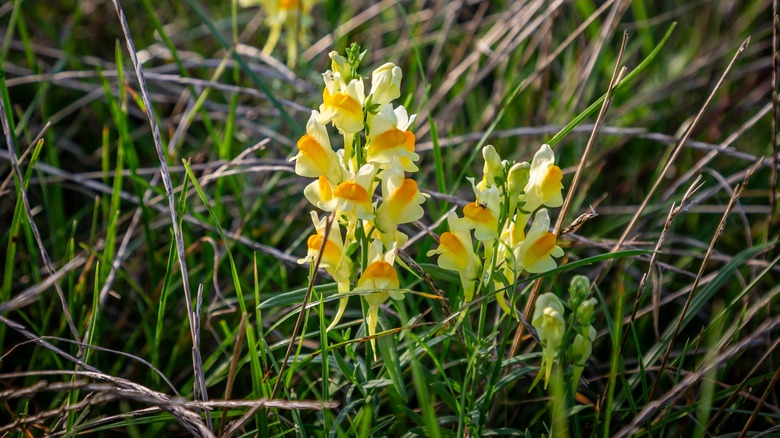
<point>315,156</point>
<point>381,279</point>
<point>386,83</point>
<point>550,326</point>
<point>334,258</point>
<point>342,103</point>
<point>390,138</point>
<point>354,196</point>
<point>482,214</point>
<point>320,194</point>
<point>544,181</point>
<point>401,202</point>
<point>492,169</point>
<point>539,247</point>
<point>456,253</point>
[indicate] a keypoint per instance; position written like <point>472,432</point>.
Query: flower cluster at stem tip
<point>378,152</point>
<point>506,197</point>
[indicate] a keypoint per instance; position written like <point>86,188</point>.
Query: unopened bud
<point>585,312</point>
<point>579,288</point>
<point>582,346</point>
<point>340,65</point>
<point>516,181</point>
<point>550,326</point>
<point>386,83</point>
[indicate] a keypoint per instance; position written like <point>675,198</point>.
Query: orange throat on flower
<point>405,194</point>
<point>540,248</point>
<point>342,102</point>
<point>312,149</point>
<point>552,180</point>
<point>331,253</point>
<point>380,271</point>
<point>326,192</point>
<point>478,213</point>
<point>387,140</point>
<point>352,191</point>
<point>288,4</point>
<point>451,243</point>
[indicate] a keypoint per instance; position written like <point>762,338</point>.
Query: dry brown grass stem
<point>673,212</point>
<point>22,422</point>
<point>738,392</point>
<point>187,419</point>
<point>675,152</point>
<point>700,165</point>
<point>715,237</point>
<point>233,366</point>
<point>193,318</point>
<point>109,391</point>
<point>691,379</point>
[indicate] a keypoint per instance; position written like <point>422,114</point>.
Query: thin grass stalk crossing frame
<point>166,177</point>
<point>675,152</point>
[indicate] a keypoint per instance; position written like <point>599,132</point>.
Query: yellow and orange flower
<point>401,203</point>
<point>342,103</point>
<point>390,138</point>
<point>320,194</point>
<point>381,279</point>
<point>353,196</point>
<point>536,252</point>
<point>482,214</point>
<point>456,253</point>
<point>334,258</point>
<point>544,181</point>
<point>315,156</point>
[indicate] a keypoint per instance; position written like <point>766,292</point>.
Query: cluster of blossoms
<point>378,151</point>
<point>551,327</point>
<point>292,15</point>
<point>506,197</point>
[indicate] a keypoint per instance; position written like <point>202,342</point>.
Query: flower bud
<point>579,352</point>
<point>339,64</point>
<point>550,326</point>
<point>579,288</point>
<point>386,84</point>
<point>582,346</point>
<point>493,168</point>
<point>585,312</point>
<point>516,181</point>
